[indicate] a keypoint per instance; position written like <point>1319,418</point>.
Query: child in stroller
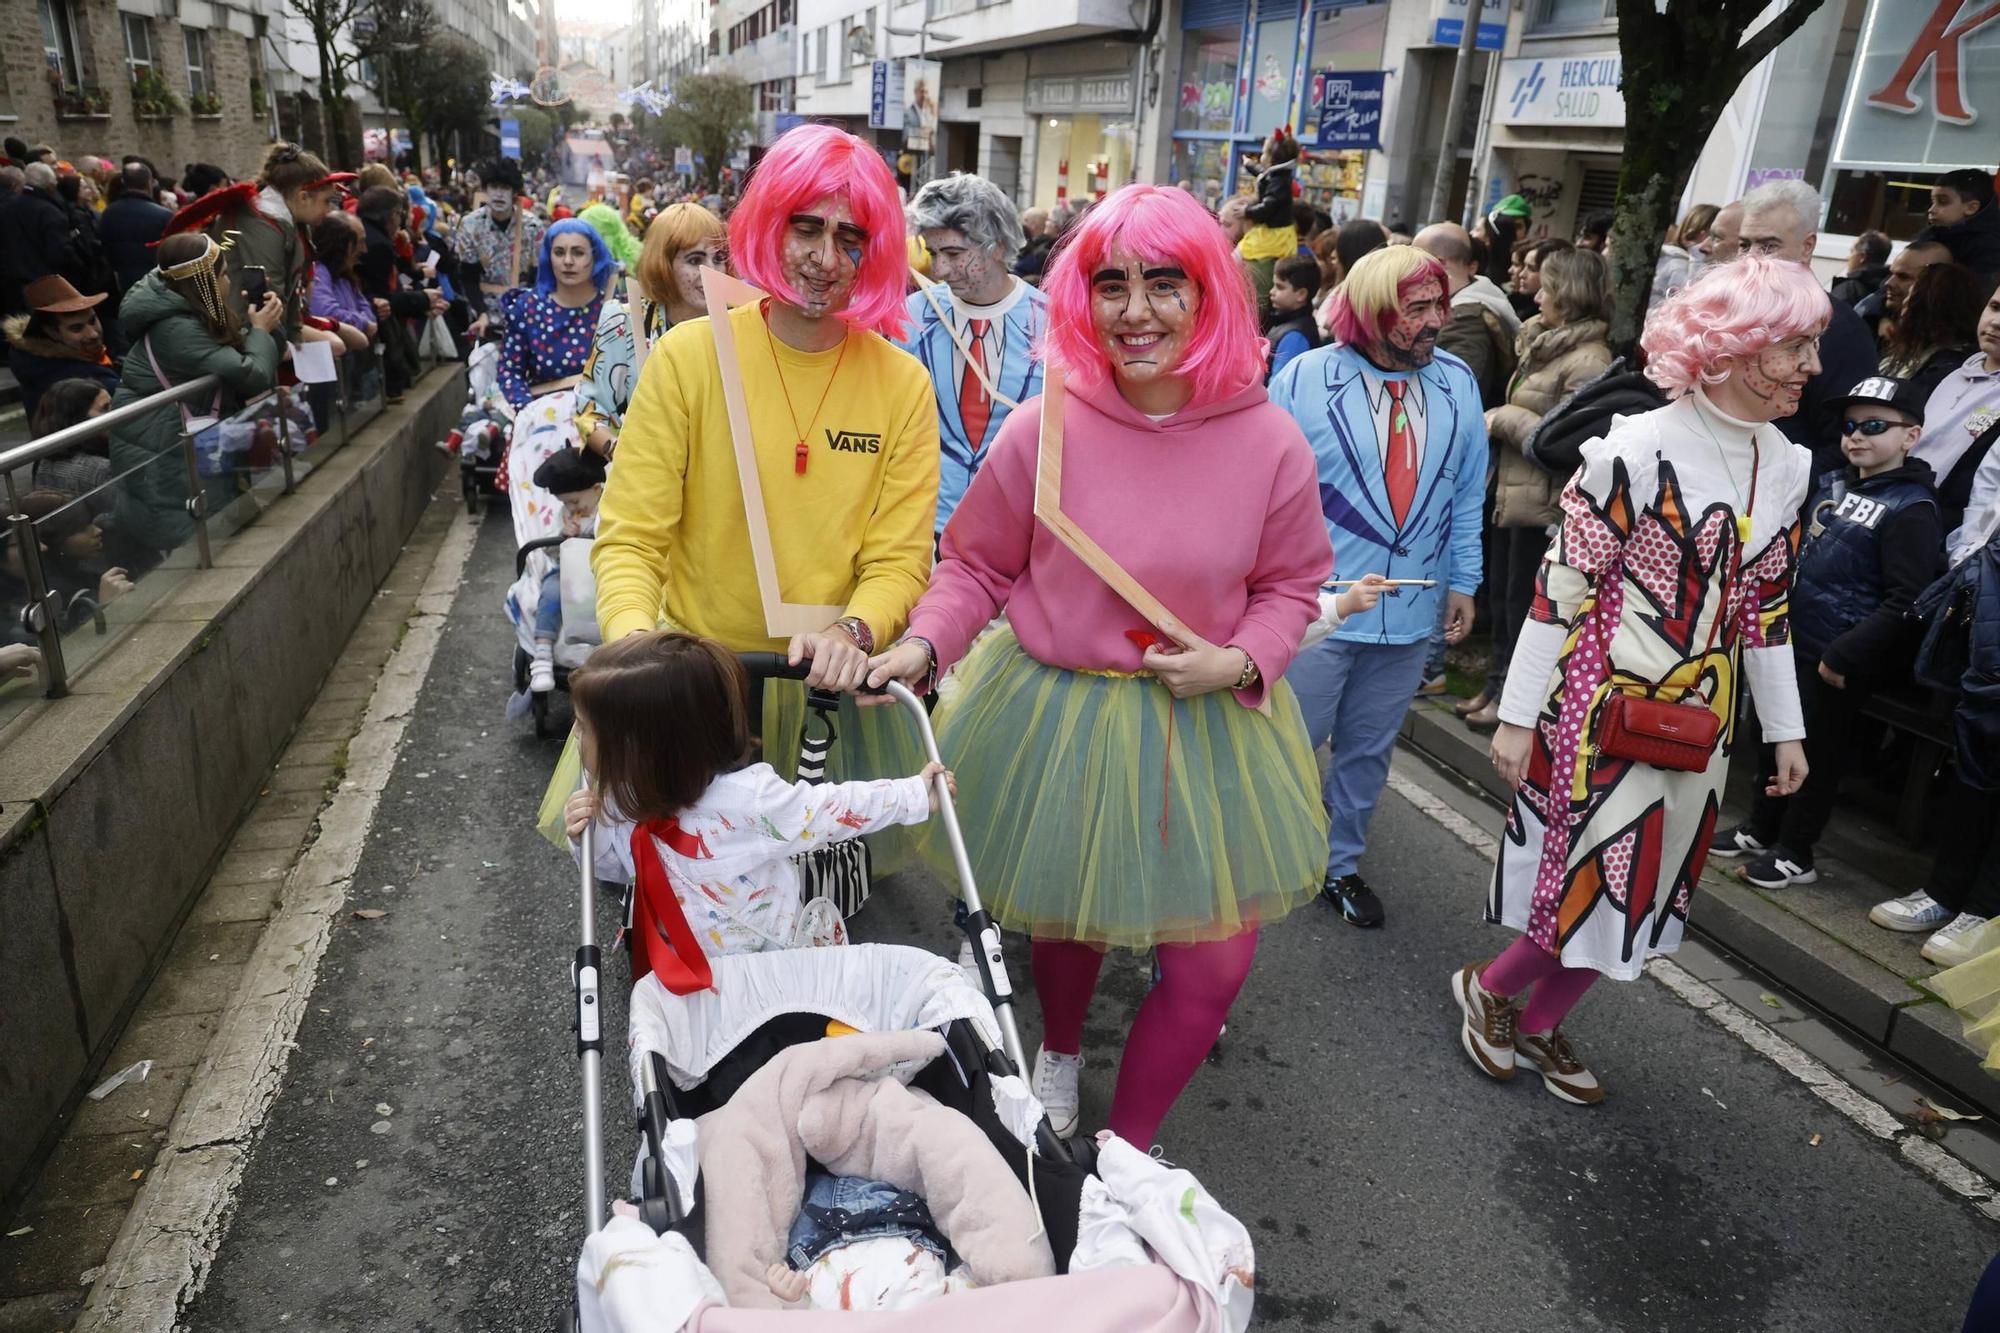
<point>811,1097</point>
<point>663,727</point>
<point>575,477</point>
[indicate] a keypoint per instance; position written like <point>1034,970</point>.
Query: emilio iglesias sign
<point>1562,90</point>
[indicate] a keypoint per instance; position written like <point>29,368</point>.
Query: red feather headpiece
<point>217,202</point>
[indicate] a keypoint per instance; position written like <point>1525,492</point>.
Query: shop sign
<point>510,139</point>
<point>1448,23</point>
<point>1350,108</point>
<point>1568,90</point>
<point>684,160</point>
<point>1922,70</point>
<point>922,80</point>
<point>885,95</point>
<point>1085,93</point>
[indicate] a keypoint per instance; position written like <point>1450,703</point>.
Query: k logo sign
<point>1527,88</point>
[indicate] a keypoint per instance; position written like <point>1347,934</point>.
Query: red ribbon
<point>658,924</point>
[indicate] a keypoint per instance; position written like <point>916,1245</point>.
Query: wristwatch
<point>855,628</point>
<point>1249,676</point>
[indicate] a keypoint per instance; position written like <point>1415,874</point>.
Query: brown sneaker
<point>1487,1032</point>
<point>1562,1073</point>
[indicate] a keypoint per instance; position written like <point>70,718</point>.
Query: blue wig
<point>601,262</point>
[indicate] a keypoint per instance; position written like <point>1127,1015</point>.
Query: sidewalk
<point>59,1244</point>
<point>1815,939</point>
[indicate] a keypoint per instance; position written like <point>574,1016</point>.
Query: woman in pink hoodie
<point>1127,790</point>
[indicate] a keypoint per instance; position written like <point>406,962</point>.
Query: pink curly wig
<point>806,165</point>
<point>1165,226</point>
<point>1365,307</point>
<point>1736,310</point>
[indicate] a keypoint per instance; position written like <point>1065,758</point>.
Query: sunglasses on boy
<point>1872,427</point>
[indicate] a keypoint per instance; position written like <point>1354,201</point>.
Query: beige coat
<point>1553,364</point>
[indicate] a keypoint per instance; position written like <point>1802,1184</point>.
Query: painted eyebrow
<point>815,218</point>
<point>1150,273</point>
<point>1107,275</point>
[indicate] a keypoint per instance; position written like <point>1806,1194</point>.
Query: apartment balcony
<point>771,56</point>
<point>997,25</point>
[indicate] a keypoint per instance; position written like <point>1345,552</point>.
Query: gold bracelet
<point>1249,676</point>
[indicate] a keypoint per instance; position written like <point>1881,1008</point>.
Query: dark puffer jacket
<point>1873,545</point>
<point>1557,443</point>
<point>1974,242</point>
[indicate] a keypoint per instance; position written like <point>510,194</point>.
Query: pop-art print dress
<point>1645,557</point>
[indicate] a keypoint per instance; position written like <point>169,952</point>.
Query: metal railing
<point>334,411</point>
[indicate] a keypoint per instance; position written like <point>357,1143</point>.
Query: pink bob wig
<point>1163,226</point>
<point>1735,310</point>
<point>806,165</point>
<point>1366,306</point>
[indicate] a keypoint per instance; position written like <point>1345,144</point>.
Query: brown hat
<point>54,296</point>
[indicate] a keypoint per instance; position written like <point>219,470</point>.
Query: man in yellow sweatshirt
<point>843,426</point>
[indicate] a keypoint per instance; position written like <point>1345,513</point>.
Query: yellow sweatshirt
<point>855,529</point>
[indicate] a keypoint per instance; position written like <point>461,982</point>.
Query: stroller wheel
<point>520,668</point>
<point>469,483</point>
<point>540,705</point>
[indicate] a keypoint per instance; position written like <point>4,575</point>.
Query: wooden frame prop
<point>782,619</point>
<point>964,346</point>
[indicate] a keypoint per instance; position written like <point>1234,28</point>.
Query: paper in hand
<point>313,363</point>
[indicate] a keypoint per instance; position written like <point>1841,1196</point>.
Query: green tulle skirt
<point>1100,808</point>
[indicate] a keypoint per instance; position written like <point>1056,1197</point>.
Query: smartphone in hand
<point>256,284</point>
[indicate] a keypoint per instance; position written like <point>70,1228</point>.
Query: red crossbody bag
<point>1673,734</point>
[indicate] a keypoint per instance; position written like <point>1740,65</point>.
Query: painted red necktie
<point>1399,464</point>
<point>974,407</point>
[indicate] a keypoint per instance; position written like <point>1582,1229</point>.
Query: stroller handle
<point>774,666</point>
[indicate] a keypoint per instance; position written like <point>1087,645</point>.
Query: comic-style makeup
<point>822,252</point>
<point>1776,377</point>
<point>1143,312</point>
<point>1411,340</point>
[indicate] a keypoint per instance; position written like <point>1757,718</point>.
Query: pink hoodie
<point>1214,510</point>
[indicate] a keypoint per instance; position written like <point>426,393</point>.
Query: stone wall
<point>235,140</point>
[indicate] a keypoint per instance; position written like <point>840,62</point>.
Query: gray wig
<point>974,207</point>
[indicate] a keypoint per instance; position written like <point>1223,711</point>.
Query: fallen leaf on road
<point>1771,1000</point>
<point>1815,1142</point>
<point>19,1231</point>
<point>136,1174</point>
<point>1930,1111</point>
<point>369,913</point>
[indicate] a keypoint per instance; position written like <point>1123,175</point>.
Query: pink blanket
<point>1126,1300</point>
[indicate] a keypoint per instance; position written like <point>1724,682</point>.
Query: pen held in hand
<point>1385,583</point>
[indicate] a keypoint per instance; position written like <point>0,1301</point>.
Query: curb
<point>1886,1008</point>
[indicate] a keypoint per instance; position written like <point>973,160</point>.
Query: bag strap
<point>160,377</point>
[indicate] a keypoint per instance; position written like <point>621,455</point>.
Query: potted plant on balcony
<point>152,98</point>
<point>205,106</point>
<point>260,104</point>
<point>82,103</point>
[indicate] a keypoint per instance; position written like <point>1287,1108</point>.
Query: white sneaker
<point>1953,945</point>
<point>1911,913</point>
<point>1055,1088</point>
<point>542,669</point>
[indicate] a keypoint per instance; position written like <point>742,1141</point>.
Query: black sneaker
<point>1739,841</point>
<point>1353,899</point>
<point>1777,868</point>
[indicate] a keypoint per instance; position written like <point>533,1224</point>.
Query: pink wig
<point>806,165</point>
<point>1158,226</point>
<point>1735,310</point>
<point>1366,306</point>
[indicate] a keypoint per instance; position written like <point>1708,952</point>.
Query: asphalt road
<point>1388,1186</point>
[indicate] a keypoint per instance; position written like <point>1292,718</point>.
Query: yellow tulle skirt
<point>1973,989</point>
<point>1100,808</point>
<point>871,743</point>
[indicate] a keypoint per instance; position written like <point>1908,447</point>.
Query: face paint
<point>854,258</point>
<point>821,253</point>
<point>1411,340</point>
<point>1143,315</point>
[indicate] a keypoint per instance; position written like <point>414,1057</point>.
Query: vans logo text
<point>853,442</point>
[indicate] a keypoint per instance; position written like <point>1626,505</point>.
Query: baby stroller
<point>887,1062</point>
<point>480,438</point>
<point>541,430</point>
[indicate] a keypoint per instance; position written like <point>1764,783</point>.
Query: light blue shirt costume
<point>1017,322</point>
<point>1336,396</point>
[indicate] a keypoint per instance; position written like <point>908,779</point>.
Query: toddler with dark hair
<point>1289,325</point>
<point>706,835</point>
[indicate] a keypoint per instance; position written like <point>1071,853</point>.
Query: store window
<point>1203,164</point>
<point>1082,156</point>
<point>59,44</point>
<point>1271,69</point>
<point>1349,39</point>
<point>1208,80</point>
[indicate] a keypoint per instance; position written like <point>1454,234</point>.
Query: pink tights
<point>1175,1028</point>
<point>1525,963</point>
